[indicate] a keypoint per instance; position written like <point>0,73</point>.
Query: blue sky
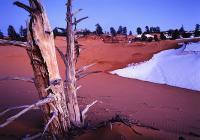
<point>131,13</point>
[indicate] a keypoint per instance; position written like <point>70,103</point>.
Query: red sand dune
<point>174,111</point>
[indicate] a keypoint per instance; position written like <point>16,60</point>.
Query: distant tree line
<point>158,34</point>
<point>14,35</point>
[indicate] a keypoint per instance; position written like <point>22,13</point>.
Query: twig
<point>83,113</point>
<point>77,88</point>
<point>39,103</point>
<point>26,79</point>
<point>76,12</point>
<point>32,137</point>
<point>55,114</point>
<point>82,75</point>
<point>84,68</point>
<point>15,43</point>
<point>62,55</point>
<point>79,20</point>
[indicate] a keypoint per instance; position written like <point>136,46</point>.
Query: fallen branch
<point>15,43</point>
<point>13,108</point>
<point>26,79</point>
<point>83,113</point>
<point>82,75</point>
<point>39,103</point>
<point>32,137</point>
<point>84,68</point>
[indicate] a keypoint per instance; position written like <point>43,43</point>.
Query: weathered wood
<point>45,68</point>
<point>74,112</point>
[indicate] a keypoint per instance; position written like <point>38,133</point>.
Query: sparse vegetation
<point>139,31</point>
<point>1,35</point>
<point>130,33</point>
<point>113,31</point>
<point>12,34</point>
<point>197,30</point>
<point>99,30</point>
<point>162,36</point>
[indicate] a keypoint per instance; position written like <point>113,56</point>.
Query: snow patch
<point>175,67</point>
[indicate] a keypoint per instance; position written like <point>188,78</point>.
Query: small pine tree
<point>12,34</point>
<point>157,29</point>
<point>99,30</point>
<point>21,33</point>
<point>113,31</point>
<point>176,34</point>
<point>120,30</point>
<point>162,36</point>
<point>1,35</point>
<point>151,30</point>
<point>130,33</point>
<point>182,30</point>
<point>124,31</point>
<point>147,29</point>
<point>139,31</point>
<point>197,30</point>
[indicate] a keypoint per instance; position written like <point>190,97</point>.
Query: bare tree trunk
<point>47,77</point>
<point>74,112</point>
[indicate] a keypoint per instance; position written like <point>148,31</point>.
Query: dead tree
<point>41,51</point>
<point>59,105</point>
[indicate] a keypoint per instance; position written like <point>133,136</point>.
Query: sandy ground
<point>174,111</point>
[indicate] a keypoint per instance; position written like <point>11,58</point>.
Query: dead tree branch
<point>28,137</point>
<point>40,103</point>
<point>82,75</point>
<point>54,115</point>
<point>76,12</point>
<point>62,55</point>
<point>79,20</point>
<point>13,108</point>
<point>14,43</point>
<point>83,113</point>
<point>26,79</point>
<point>84,68</point>
<point>25,7</point>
